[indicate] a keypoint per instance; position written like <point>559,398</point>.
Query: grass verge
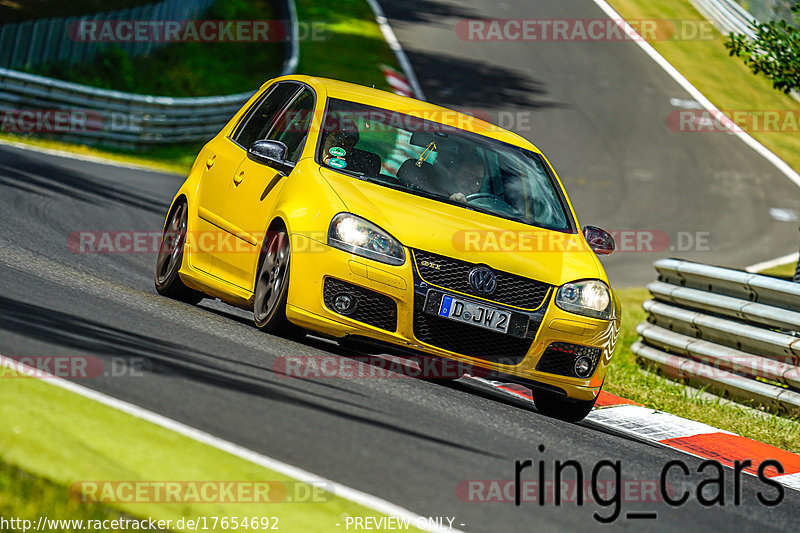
<point>168,158</point>
<point>63,438</point>
<point>724,80</point>
<point>353,47</point>
<point>781,271</point>
<point>626,378</point>
<point>24,496</point>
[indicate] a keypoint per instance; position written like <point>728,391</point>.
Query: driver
<point>464,176</point>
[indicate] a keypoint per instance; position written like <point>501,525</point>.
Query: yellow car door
<point>250,200</point>
<point>218,237</point>
<point>222,158</point>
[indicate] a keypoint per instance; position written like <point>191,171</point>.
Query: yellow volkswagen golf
<point>358,214</point>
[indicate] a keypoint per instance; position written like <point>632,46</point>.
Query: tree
<point>775,51</point>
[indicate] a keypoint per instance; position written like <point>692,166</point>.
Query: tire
<point>271,290</point>
<point>170,257</point>
<point>561,407</point>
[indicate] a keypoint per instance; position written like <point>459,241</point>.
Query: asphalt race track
<point>601,108</point>
<point>599,111</point>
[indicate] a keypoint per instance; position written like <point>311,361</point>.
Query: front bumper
<point>314,261</point>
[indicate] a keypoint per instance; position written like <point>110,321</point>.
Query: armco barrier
<point>41,42</point>
<point>132,120</point>
<point>736,332</point>
<point>727,16</point>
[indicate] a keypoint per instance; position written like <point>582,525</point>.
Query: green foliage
<point>352,46</point>
<point>113,68</point>
<point>185,68</point>
<point>775,51</point>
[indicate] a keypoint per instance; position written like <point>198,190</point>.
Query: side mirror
<point>271,154</point>
<point>599,240</point>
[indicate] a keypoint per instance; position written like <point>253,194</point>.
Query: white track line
<point>789,480</point>
<point>779,163</point>
<point>343,491</point>
<point>394,44</point>
<point>772,263</point>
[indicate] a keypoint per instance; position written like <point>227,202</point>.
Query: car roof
<point>384,99</point>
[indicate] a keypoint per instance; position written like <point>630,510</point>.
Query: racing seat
<point>365,162</point>
<point>417,177</point>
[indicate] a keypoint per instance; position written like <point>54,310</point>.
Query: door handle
<point>210,161</point>
<point>237,179</point>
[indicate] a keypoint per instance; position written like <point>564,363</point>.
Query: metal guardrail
<point>45,41</point>
<point>737,333</point>
<point>125,119</point>
<point>727,16</point>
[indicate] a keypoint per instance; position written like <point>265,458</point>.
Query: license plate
<point>480,315</point>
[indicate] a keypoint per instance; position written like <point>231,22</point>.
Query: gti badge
<point>483,280</point>
<point>430,265</point>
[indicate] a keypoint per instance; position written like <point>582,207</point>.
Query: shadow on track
<point>469,81</point>
<point>416,11</point>
<point>66,330</point>
<point>35,177</point>
<point>159,356</point>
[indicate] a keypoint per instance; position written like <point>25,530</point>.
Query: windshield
<point>444,163</point>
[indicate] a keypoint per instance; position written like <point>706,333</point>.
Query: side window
<point>293,125</point>
<point>260,118</point>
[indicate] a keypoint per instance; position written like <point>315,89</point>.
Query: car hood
<point>417,222</point>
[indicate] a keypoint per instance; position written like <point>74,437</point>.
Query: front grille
<point>453,274</point>
<point>371,308</point>
<point>469,340</point>
<point>559,358</point>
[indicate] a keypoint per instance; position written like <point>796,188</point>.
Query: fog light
<point>583,366</point>
<point>344,303</point>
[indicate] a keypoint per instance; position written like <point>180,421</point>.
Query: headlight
<point>589,298</point>
<point>354,234</point>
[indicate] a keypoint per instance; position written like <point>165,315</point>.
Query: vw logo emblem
<point>483,280</point>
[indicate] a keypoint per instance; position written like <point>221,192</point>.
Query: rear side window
<point>260,118</point>
<point>292,126</point>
